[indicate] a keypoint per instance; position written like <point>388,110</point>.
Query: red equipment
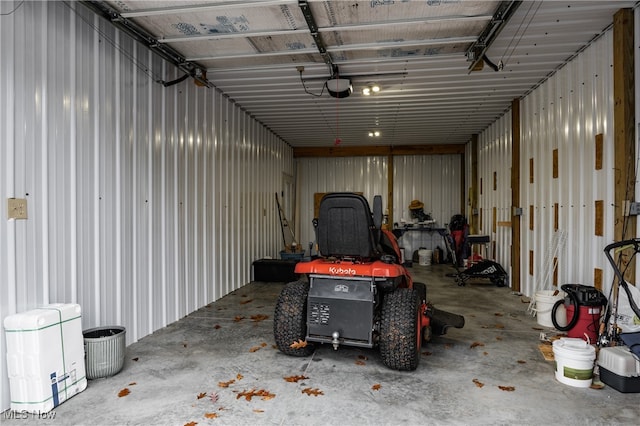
<point>357,293</point>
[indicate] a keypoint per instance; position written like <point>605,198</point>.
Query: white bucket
<point>574,361</point>
<point>424,257</point>
<point>544,305</point>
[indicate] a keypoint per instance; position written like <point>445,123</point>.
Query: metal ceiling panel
<point>416,50</point>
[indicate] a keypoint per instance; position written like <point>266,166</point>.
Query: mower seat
<point>345,227</point>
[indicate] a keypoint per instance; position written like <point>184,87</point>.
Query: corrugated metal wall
<point>494,189</point>
<point>144,202</point>
<point>560,121</point>
<point>436,180</point>
<point>560,185</point>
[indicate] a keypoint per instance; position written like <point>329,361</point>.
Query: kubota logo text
<point>341,271</point>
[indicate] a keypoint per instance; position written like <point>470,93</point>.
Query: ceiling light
<point>339,87</point>
<point>376,134</point>
<point>370,89</point>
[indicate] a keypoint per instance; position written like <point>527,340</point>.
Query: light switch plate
<point>16,208</point>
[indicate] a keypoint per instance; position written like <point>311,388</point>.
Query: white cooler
<point>45,357</point>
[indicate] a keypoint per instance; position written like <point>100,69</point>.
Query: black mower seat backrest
<point>345,227</point>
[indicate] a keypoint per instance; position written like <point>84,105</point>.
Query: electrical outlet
<point>16,208</point>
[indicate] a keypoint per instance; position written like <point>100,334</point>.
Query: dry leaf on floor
<point>226,384</point>
<point>485,353</point>
<point>314,392</point>
<point>598,385</point>
<point>476,344</point>
<point>210,415</point>
<point>124,392</point>
<point>213,396</point>
<point>427,353</point>
<point>498,314</point>
<point>257,410</point>
<point>295,379</point>
<point>255,348</point>
<point>244,302</point>
<point>217,326</point>
<point>507,388</point>
<point>239,376</point>
<point>299,344</point>
<point>201,395</point>
<point>191,424</point>
<point>132,384</point>
<point>522,361</point>
<point>376,387</point>
<point>498,337</point>
<point>263,394</point>
<point>135,359</point>
<point>360,362</point>
<point>259,317</point>
<point>478,383</point>
<point>238,318</point>
<point>362,357</point>
<point>499,325</point>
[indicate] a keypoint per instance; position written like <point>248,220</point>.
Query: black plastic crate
<point>620,383</point>
<point>274,270</point>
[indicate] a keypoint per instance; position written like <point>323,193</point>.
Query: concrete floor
<point>167,372</point>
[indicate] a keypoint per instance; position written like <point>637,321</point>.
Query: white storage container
<point>45,357</point>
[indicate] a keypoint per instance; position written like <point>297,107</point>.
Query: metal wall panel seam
<point>95,308</point>
<point>134,198</point>
<point>44,165</point>
<point>118,192</point>
<point>8,259</point>
<point>150,197</point>
<point>176,206</point>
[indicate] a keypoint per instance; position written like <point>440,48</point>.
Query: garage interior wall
<point>144,203</point>
<point>563,121</point>
<point>436,180</point>
<point>494,189</point>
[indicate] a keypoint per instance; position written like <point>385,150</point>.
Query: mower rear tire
<point>399,330</point>
<point>290,320</point>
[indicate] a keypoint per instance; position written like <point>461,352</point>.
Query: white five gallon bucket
<point>424,256</point>
<point>574,361</point>
<point>544,304</point>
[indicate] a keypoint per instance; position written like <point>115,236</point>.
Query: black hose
<point>574,319</point>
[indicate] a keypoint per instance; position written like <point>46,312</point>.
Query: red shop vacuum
<point>584,305</point>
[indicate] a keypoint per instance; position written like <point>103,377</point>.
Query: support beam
<point>623,127</point>
<point>473,187</point>
<point>390,191</point>
<point>382,150</point>
<point>515,195</point>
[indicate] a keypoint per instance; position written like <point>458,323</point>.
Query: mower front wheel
<point>290,320</point>
<point>399,330</point>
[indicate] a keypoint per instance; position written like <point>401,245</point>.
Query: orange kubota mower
<point>357,293</point>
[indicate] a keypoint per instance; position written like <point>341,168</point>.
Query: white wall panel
<point>565,114</point>
<point>494,158</point>
<point>435,180</point>
<point>145,202</point>
<point>352,174</point>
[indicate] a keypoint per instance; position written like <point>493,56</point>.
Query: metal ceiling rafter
<point>503,13</point>
<point>194,70</point>
<point>313,28</point>
<point>204,7</point>
<point>341,48</point>
<point>351,27</point>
